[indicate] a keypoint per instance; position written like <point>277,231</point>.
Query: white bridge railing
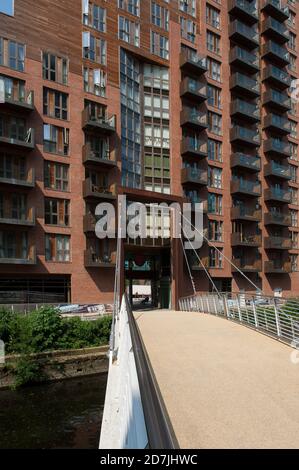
<point>276,316</point>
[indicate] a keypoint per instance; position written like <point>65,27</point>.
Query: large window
<point>188,6</point>
<point>215,123</point>
<point>159,45</point>
<point>14,89</point>
<point>12,167</point>
<point>7,7</point>
<point>56,139</point>
<point>216,230</point>
<point>55,104</point>
<point>55,68</point>
<point>57,212</point>
<point>14,245</point>
<point>12,54</point>
<point>215,258</point>
<point>94,16</point>
<point>58,248</point>
<point>94,48</point>
<point>56,176</point>
<point>214,150</point>
<point>132,6</point>
<point>188,29</point>
<point>213,42</point>
<point>128,31</point>
<point>215,177</point>
<point>214,69</point>
<point>215,204</point>
<point>213,16</point>
<point>95,81</point>
<point>160,16</point>
<point>214,96</point>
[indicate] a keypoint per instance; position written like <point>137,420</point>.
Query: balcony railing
<point>244,9</point>
<point>247,35</point>
<point>248,240</point>
<point>277,218</point>
<point>244,84</point>
<point>277,194</point>
<point>277,266</point>
<point>246,213</point>
<point>193,89</point>
<point>197,200</point>
<point>276,99</point>
<point>245,161</point>
<point>94,260</point>
<point>243,134</point>
<point>194,148</point>
<point>277,123</point>
<point>26,141</point>
<point>275,29</point>
<point>278,243</point>
<point>250,188</point>
<point>28,181</point>
<point>191,61</point>
<point>275,9</point>
<point>18,100</point>
<point>241,57</point>
<point>276,169</point>
<point>196,265</point>
<point>97,191</point>
<point>102,157</point>
<point>244,109</point>
<point>247,265</point>
<point>25,218</point>
<point>194,175</point>
<point>28,259</point>
<point>90,120</point>
<point>276,75</point>
<point>274,51</point>
<point>278,147</point>
<point>194,118</point>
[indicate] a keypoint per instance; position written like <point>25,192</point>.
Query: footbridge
<point>222,372</point>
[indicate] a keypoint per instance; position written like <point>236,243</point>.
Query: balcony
<point>250,188</point>
<point>276,76</point>
<point>280,101</point>
<point>93,260</point>
<point>192,62</point>
<point>195,199</point>
<point>102,158</point>
<point>17,101</point>
<point>243,34</point>
<point>242,109</point>
<point>243,84</point>
<point>276,30</point>
<point>242,135</point>
<point>25,218</point>
<point>28,181</point>
<point>247,266</point>
<point>92,122</point>
<point>96,191</point>
<point>247,213</point>
<point>30,259</point>
<point>243,9</point>
<point>242,58</point>
<point>277,170</point>
<point>276,53</point>
<point>241,160</point>
<point>194,119</point>
<point>278,124</point>
<point>277,194</point>
<point>193,90</point>
<point>277,243</point>
<point>193,148</point>
<point>24,142</point>
<point>194,176</point>
<point>277,267</point>
<point>277,147</point>
<point>277,218</point>
<point>275,9</point>
<point>196,265</point>
<point>248,240</point>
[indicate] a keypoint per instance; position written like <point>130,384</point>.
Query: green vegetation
<point>45,330</point>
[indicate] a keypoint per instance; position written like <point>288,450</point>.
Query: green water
<point>61,415</point>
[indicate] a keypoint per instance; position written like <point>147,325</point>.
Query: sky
<point>6,6</point>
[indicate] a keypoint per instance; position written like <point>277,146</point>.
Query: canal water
<point>60,415</point>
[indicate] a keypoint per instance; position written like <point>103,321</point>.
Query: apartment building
<point>161,101</point>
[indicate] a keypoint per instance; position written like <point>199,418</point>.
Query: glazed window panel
<point>57,212</point>
<point>213,42</point>
<point>214,69</point>
<point>159,45</point>
<point>56,176</point>
<point>14,89</point>
<point>55,68</point>
<point>132,6</point>
<point>188,29</point>
<point>215,123</point>
<point>160,16</point>
<point>94,16</point>
<point>12,167</point>
<point>129,31</point>
<point>94,49</point>
<point>12,54</point>
<point>55,104</point>
<point>7,7</point>
<point>56,139</point>
<point>213,17</point>
<point>188,6</point>
<point>58,248</point>
<point>214,150</point>
<point>95,81</point>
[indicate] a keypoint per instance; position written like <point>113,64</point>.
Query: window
<point>213,16</point>
<point>55,104</point>
<point>14,89</point>
<point>215,230</point>
<point>214,150</point>
<point>56,139</point>
<point>294,196</point>
<point>7,7</point>
<point>56,176</point>
<point>294,263</point>
<point>293,151</point>
<point>294,239</point>
<point>215,177</point>
<point>12,54</point>
<point>160,16</point>
<point>156,77</point>
<point>55,68</point>
<point>293,62</point>
<point>188,29</point>
<point>214,69</point>
<point>13,206</point>
<point>57,212</point>
<point>215,258</point>
<point>215,123</point>
<point>293,173</point>
<point>292,18</point>
<point>292,41</point>
<point>213,42</point>
<point>132,6</point>
<point>94,48</point>
<point>156,105</point>
<point>13,167</point>
<point>294,217</point>
<point>214,96</point>
<point>215,204</point>
<point>58,248</point>
<point>94,16</point>
<point>188,6</point>
<point>293,129</point>
<point>95,81</point>
<point>128,31</point>
<point>14,245</point>
<point>14,128</point>
<point>159,45</point>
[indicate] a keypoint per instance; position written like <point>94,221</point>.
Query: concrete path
<point>224,385</point>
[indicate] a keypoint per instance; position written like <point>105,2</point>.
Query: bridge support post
<point>239,308</point>
<point>278,327</point>
<point>255,313</point>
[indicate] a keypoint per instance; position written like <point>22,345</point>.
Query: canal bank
<point>60,415</point>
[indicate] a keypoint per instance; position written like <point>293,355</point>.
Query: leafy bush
<point>27,371</point>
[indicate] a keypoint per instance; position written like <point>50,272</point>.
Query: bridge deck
<point>224,385</point>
